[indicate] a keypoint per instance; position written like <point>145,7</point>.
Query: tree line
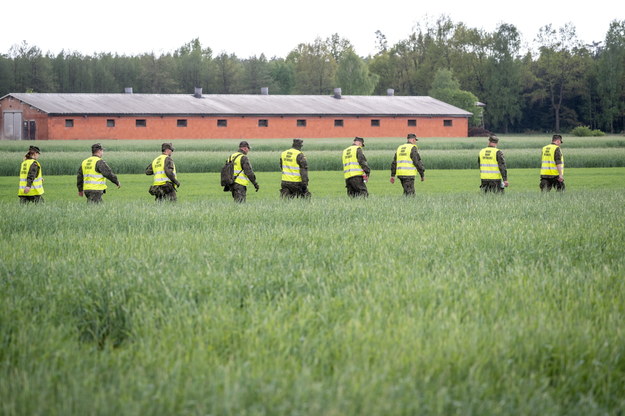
<point>555,85</point>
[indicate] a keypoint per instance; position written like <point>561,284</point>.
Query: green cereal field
<point>449,303</point>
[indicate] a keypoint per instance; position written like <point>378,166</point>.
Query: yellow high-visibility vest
<point>37,185</point>
<point>489,168</point>
<point>548,166</point>
<point>92,180</point>
<point>239,174</point>
<point>158,167</point>
<point>405,165</point>
<point>351,167</point>
<point>290,168</point>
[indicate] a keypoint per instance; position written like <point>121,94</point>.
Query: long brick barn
<point>34,116</point>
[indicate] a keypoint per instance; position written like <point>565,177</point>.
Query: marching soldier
<point>294,168</point>
<point>92,175</point>
<point>552,167</point>
<point>243,173</point>
<point>406,163</point>
<point>164,171</point>
<point>31,182</point>
<point>493,172</point>
<point>356,169</point>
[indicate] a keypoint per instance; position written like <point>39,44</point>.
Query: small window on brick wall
<point>141,123</point>
<point>301,123</point>
<point>110,123</point>
<point>263,123</point>
<point>375,123</point>
<point>222,123</point>
<point>448,123</point>
<point>181,123</point>
<point>69,122</point>
<point>412,123</point>
<point>338,123</point>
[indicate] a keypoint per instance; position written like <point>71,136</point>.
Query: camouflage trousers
<point>35,199</point>
<point>294,190</point>
<point>491,185</point>
<point>94,197</point>
<point>239,192</point>
<point>547,183</point>
<point>166,192</point>
<point>407,182</point>
<point>356,187</point>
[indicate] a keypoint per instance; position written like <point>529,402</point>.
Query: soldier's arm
<point>149,170</point>
<point>559,165</point>
<point>32,174</point>
<point>303,167</point>
<point>394,165</point>
<point>106,171</point>
<point>416,159</point>
<point>247,168</point>
<point>501,161</point>
<point>169,170</point>
<point>362,160</point>
<point>79,179</point>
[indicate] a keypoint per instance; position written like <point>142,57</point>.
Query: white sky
<point>273,27</point>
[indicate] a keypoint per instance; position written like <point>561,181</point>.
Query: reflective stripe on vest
<point>351,166</point>
<point>548,165</point>
<point>158,167</point>
<point>489,168</point>
<point>239,174</point>
<point>290,168</point>
<point>37,186</point>
<point>92,180</point>
<point>405,165</point>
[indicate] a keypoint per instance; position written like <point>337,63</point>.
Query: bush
<point>585,131</point>
<point>478,132</point>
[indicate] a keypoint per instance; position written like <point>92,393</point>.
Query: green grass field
<point>451,302</point>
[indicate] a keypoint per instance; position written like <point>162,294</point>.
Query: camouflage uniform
<point>239,192</point>
<point>495,185</point>
<point>102,168</point>
<point>407,182</point>
<point>33,172</point>
<point>296,189</point>
<point>167,191</point>
<point>550,181</point>
<point>356,185</point>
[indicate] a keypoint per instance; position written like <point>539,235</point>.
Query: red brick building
<point>178,116</point>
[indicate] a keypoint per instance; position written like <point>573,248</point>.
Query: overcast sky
<point>273,27</point>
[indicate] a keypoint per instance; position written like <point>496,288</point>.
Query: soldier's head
<point>359,141</point>
<point>298,143</point>
<point>493,140</point>
<point>412,138</point>
<point>167,148</point>
<point>557,139</point>
<point>33,153</point>
<point>244,147</point>
<point>97,149</point>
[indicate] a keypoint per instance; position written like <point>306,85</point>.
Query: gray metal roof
<point>238,104</point>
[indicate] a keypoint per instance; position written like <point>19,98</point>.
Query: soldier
<point>356,169</point>
<point>164,171</point>
<point>552,167</point>
<point>294,172</point>
<point>243,173</point>
<point>493,172</point>
<point>31,182</point>
<point>92,175</point>
<point>406,163</point>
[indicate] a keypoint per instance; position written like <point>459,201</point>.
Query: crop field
<point>452,302</point>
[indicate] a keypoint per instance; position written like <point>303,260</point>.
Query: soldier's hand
<point>392,179</point>
<point>177,184</point>
<point>27,189</point>
<point>119,185</point>
<point>305,188</point>
<point>80,193</point>
<point>256,186</point>
<point>423,179</point>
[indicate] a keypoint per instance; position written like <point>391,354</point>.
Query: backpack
<point>227,173</point>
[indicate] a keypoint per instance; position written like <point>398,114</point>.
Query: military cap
<point>493,139</point>
<point>166,146</point>
<point>34,149</point>
<point>96,147</point>
<point>298,142</point>
<point>244,144</point>
<point>557,137</point>
<point>412,136</point>
<point>361,140</point>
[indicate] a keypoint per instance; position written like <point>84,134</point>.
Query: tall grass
<point>445,304</point>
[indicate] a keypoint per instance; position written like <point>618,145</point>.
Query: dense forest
<point>553,83</point>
